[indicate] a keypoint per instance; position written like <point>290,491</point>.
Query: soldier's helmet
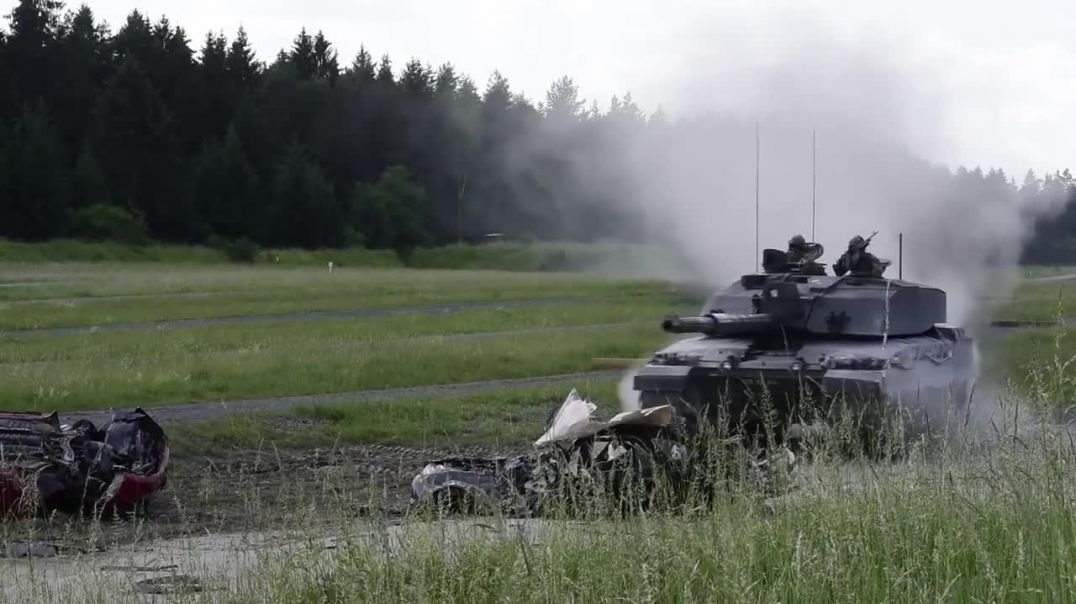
<point>797,241</point>
<point>856,243</point>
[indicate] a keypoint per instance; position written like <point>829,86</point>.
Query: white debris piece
<point>575,419</point>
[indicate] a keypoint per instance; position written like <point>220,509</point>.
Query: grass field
<point>83,295</point>
<point>509,419</point>
<point>1040,301</point>
<point>312,367</point>
<point>588,316</point>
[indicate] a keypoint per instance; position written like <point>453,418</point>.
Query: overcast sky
<point>974,82</point>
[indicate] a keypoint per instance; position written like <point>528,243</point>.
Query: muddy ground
<point>249,490</point>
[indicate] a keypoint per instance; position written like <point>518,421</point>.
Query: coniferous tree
<point>363,67</point>
<point>218,94</point>
<point>224,187</point>
<point>304,210</point>
<point>30,48</point>
<point>133,40</point>
<point>562,102</point>
<point>143,161</point>
<point>416,81</point>
<point>384,71</point>
<point>32,193</point>
<point>83,65</point>
<point>446,82</point>
<point>302,56</point>
<point>240,64</point>
<point>88,183</point>
<point>325,59</point>
<point>7,82</point>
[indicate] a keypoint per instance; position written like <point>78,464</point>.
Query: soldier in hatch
<point>797,247</point>
<point>858,260</point>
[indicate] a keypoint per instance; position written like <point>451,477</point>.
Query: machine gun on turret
<point>867,241</point>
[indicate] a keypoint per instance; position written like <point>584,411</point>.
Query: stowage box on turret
<point>795,346</point>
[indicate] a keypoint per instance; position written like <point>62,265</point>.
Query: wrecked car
<point>626,459</point>
<point>48,466</point>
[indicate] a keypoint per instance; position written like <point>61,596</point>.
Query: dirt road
<point>214,409</point>
<point>297,316</point>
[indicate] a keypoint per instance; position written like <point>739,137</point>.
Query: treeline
<point>113,133</point>
<point>1054,237</point>
<point>133,134</point>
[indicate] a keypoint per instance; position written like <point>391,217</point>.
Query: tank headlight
<point>797,366</point>
<point>728,364</point>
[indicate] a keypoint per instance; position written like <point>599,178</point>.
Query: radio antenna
<point>814,180</point>
<point>757,260</point>
<point>900,256</point>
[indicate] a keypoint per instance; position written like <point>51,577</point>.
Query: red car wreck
<point>46,466</point>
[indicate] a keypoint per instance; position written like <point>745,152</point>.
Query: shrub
<point>102,222</point>
<point>241,250</point>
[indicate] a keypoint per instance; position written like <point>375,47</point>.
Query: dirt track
<point>1067,277</point>
<point>298,316</point>
<point>209,409</point>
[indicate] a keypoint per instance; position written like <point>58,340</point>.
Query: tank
<point>793,349</point>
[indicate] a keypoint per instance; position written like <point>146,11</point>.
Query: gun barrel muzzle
<point>721,324</point>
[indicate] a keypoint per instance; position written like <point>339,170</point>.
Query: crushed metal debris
<point>46,466</point>
<point>626,456</point>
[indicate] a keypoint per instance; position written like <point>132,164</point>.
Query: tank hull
<point>915,384</point>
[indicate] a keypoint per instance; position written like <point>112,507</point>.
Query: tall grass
<point>1038,302</point>
<point>989,522</point>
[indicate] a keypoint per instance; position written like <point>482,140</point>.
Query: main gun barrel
<point>721,324</point>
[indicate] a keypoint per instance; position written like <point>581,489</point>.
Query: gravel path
<point>296,316</point>
<point>116,298</point>
<point>210,409</point>
<point>1066,277</point>
<point>1007,324</point>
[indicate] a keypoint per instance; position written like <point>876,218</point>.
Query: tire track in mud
<point>294,316</point>
<point>216,409</point>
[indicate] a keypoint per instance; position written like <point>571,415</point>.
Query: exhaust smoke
<point>689,181</point>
